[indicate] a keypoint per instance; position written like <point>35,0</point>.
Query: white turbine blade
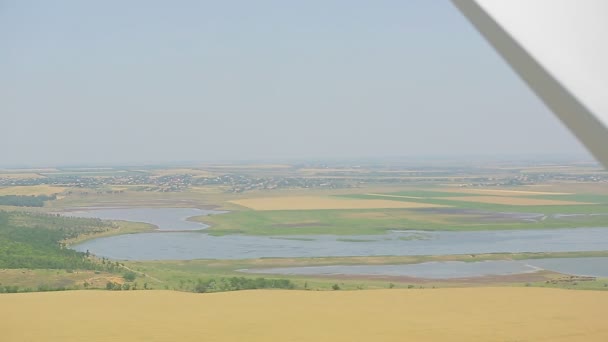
<point>560,49</point>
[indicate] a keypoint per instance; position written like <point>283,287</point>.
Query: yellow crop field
<point>502,192</point>
<point>193,172</point>
<point>394,196</point>
<point>27,170</point>
<point>247,166</point>
<point>31,190</point>
<point>512,200</point>
<point>332,170</point>
<point>20,175</point>
<point>218,189</point>
<point>320,202</point>
<point>465,314</point>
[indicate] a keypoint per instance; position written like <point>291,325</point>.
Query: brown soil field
<point>454,314</point>
<point>31,190</point>
<point>320,202</point>
<point>512,200</point>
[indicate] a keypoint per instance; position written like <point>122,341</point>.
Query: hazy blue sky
<point>154,81</point>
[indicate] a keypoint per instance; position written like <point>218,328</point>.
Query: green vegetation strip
<point>184,275</point>
<point>600,207</point>
<point>379,221</point>
<point>36,241</point>
<point>26,201</point>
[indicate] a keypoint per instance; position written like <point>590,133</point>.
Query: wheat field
<point>462,314</point>
<point>513,200</point>
<point>503,192</point>
<point>31,190</point>
<point>320,202</point>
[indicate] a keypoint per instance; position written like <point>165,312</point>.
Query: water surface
<point>428,270</point>
<point>592,266</point>
<point>166,219</point>
<point>198,245</point>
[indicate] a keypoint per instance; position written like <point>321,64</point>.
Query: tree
<point>129,276</point>
<point>200,286</point>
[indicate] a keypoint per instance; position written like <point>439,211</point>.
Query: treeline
<point>41,288</point>
<point>241,283</point>
<point>26,201</point>
<point>69,227</point>
<point>36,241</point>
<point>223,284</point>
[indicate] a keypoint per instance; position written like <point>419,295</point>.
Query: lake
<point>428,270</point>
<point>172,243</point>
<point>183,246</point>
<point>592,266</point>
<point>168,245</point>
<point>166,219</point>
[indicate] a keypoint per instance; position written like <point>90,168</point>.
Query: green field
<point>379,221</point>
<point>462,215</point>
<point>600,205</point>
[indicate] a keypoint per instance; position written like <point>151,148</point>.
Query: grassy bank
<point>120,228</point>
<point>183,274</point>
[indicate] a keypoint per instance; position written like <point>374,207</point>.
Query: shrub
<point>129,276</point>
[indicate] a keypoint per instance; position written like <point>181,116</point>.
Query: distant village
<point>243,182</point>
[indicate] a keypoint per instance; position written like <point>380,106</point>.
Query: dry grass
<point>367,214</point>
<point>320,202</point>
<point>395,196</point>
<point>512,200</point>
<point>31,190</point>
<point>99,281</point>
<point>471,314</point>
<point>25,278</point>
